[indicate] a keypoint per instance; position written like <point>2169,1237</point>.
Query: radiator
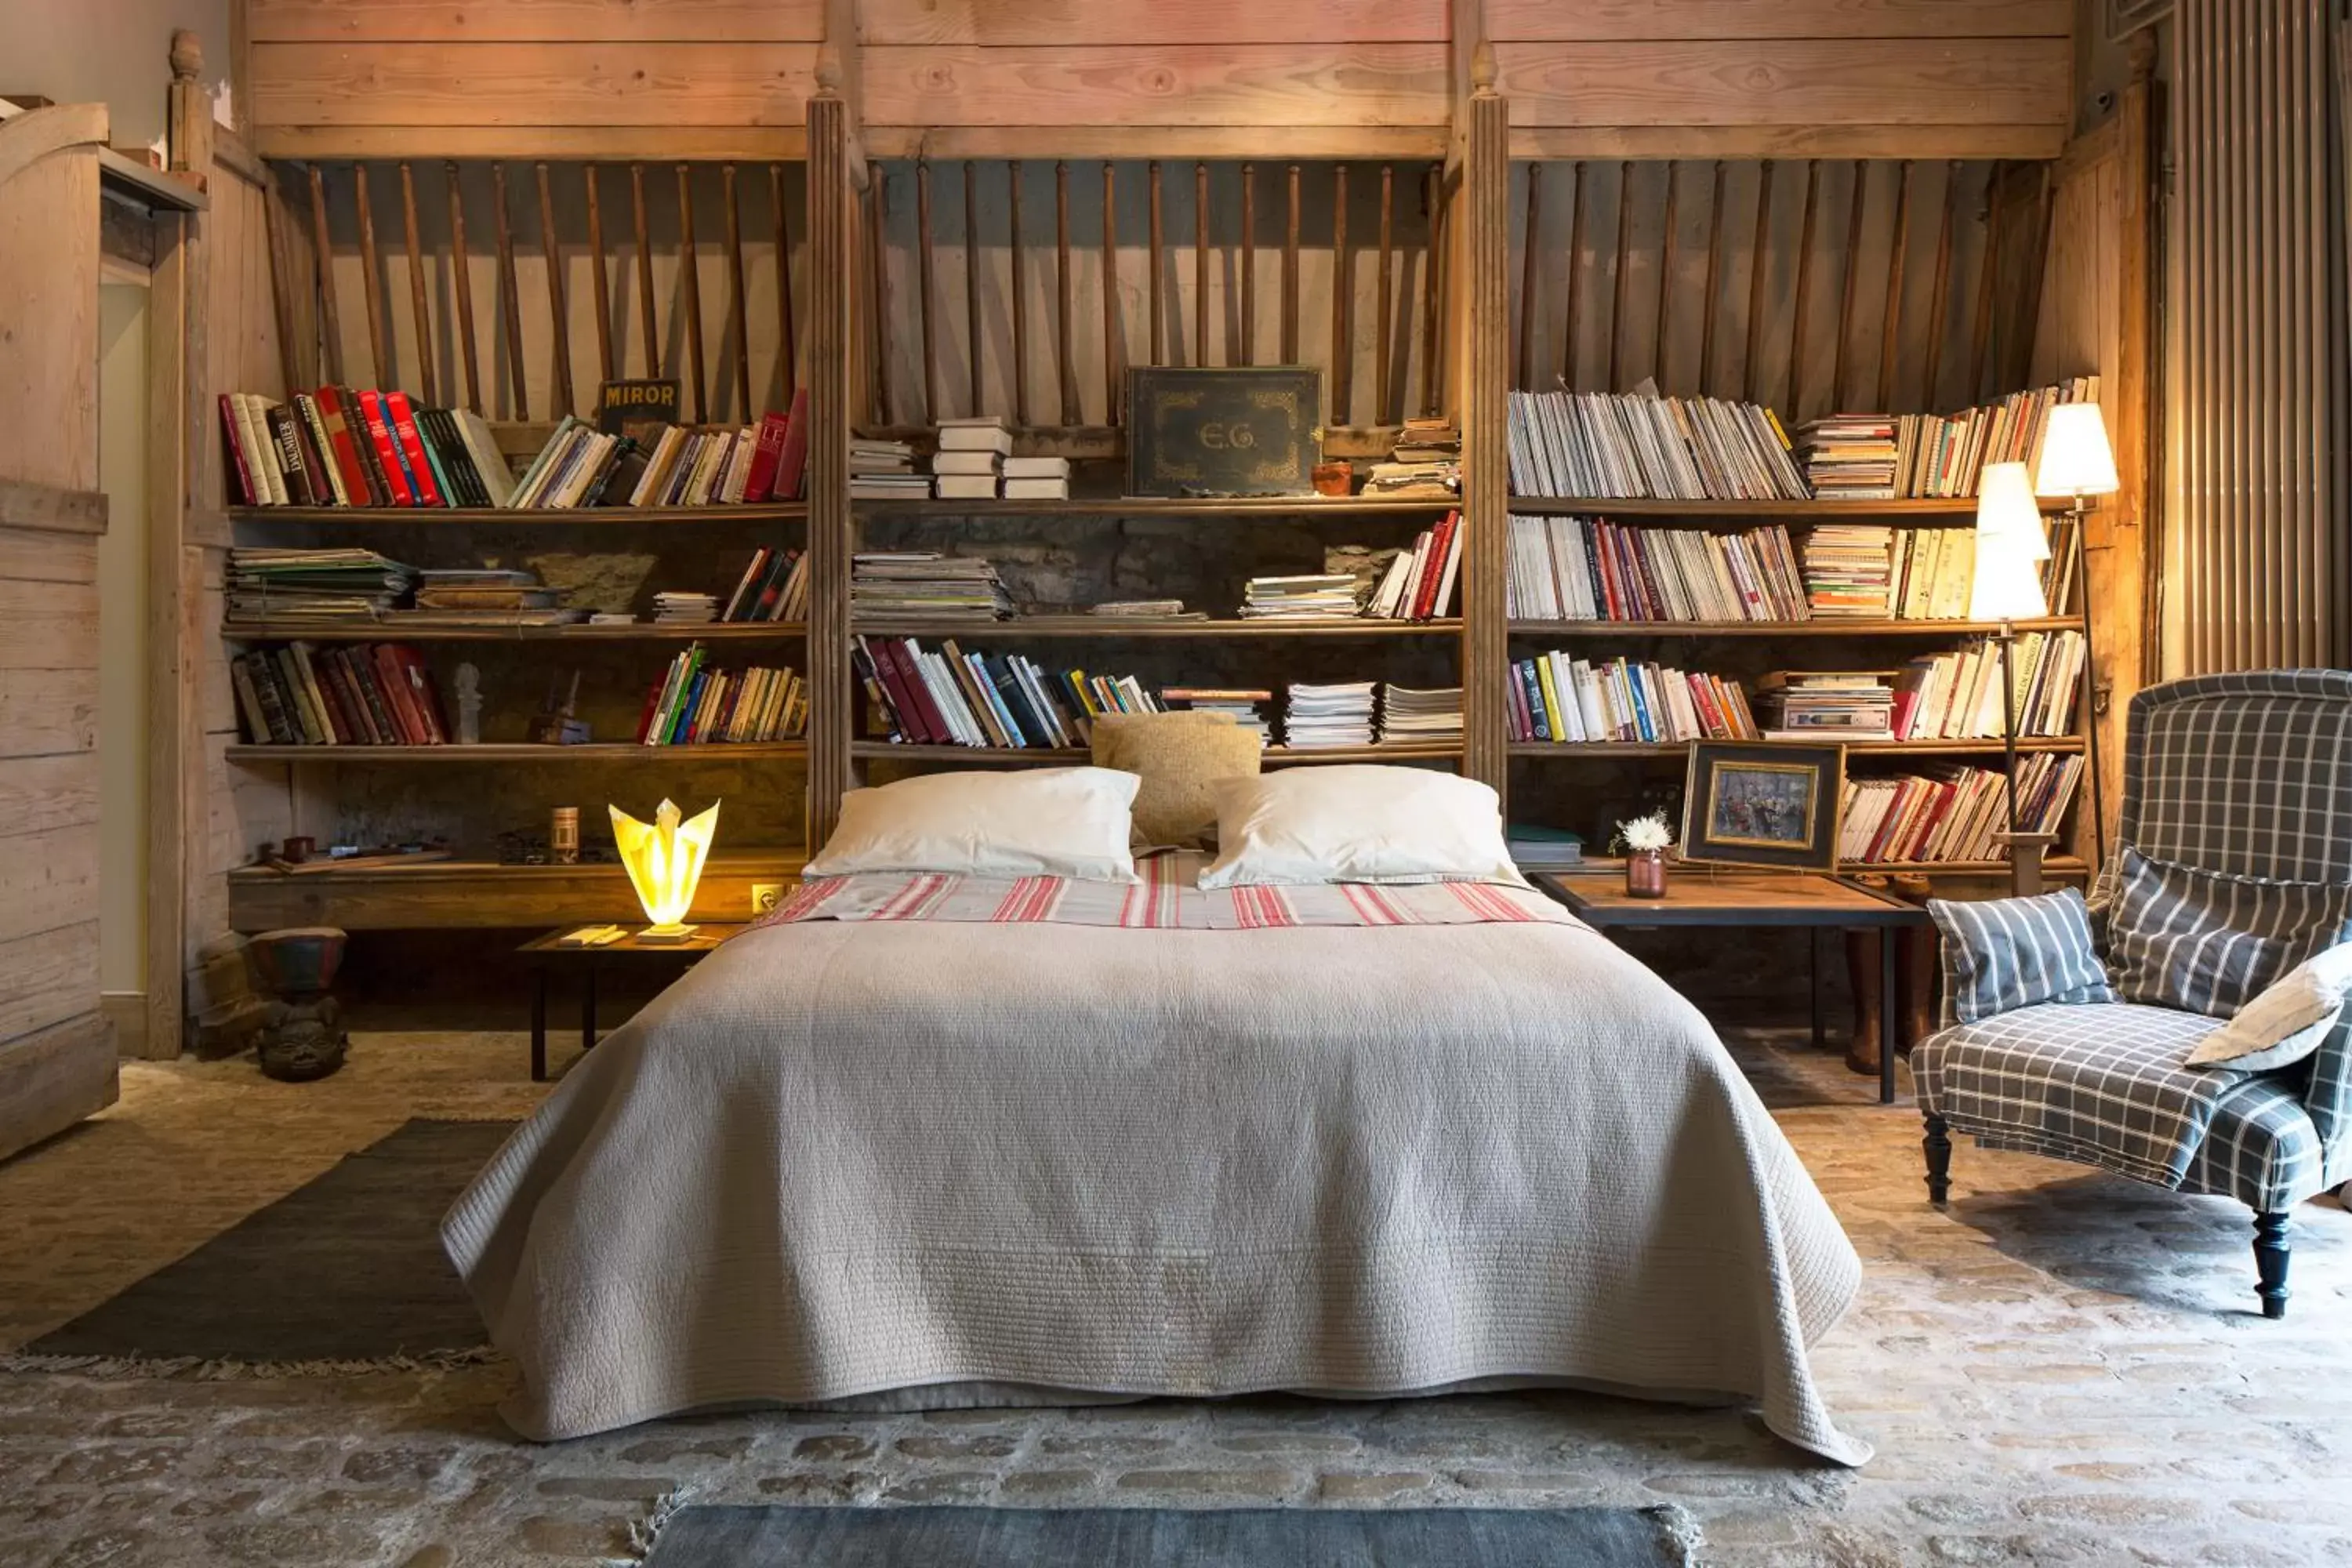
<point>2260,550</point>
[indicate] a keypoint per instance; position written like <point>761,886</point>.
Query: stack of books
<point>1945,457</point>
<point>762,462</point>
<point>1318,596</point>
<point>693,705</point>
<point>971,452</point>
<point>488,595</point>
<point>1827,705</point>
<point>1589,569</point>
<point>885,471</point>
<point>1534,848</point>
<point>345,584</point>
<point>1410,717</point>
<point>1639,445</point>
<point>773,587</point>
<point>1320,716</point>
<point>1036,479</point>
<point>1931,573</point>
<point>1146,610</point>
<point>673,608</point>
<point>578,465</point>
<point>1241,702</point>
<point>918,582</point>
<point>951,698</point>
<point>1849,456</point>
<point>340,446</point>
<point>1426,460</point>
<point>1848,570</point>
<point>1568,700</point>
<point>367,694</point>
<point>1952,813</point>
<point>1419,583</point>
<point>1956,696</point>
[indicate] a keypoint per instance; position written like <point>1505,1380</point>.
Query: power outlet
<point>766,896</point>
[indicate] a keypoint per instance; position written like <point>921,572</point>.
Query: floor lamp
<point>2007,588</point>
<point>2077,461</point>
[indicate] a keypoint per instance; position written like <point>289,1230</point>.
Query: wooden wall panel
<point>533,21</point>
<point>1372,84</point>
<point>1595,21</point>
<point>533,84</point>
<point>997,24</point>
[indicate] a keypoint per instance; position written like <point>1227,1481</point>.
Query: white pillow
<point>1042,822</point>
<point>1310,825</point>
<point>2287,1022</point>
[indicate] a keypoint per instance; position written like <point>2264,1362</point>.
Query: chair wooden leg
<point>2270,1262</point>
<point>1938,1144</point>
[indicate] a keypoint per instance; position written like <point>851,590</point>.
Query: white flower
<point>1646,833</point>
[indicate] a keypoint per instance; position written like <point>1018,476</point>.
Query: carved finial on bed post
<point>187,54</point>
<point>1481,70</point>
<point>188,118</point>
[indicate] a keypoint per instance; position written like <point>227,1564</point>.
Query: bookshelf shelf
<point>1818,629</point>
<point>487,894</point>
<point>1166,506</point>
<point>1606,751</point>
<point>1958,509</point>
<point>376,516</point>
<point>1108,627</point>
<point>1003,756</point>
<point>461,756</point>
<point>396,631</point>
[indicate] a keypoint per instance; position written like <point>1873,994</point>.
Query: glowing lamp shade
<point>664,859</point>
<point>2011,547</point>
<point>2076,459</point>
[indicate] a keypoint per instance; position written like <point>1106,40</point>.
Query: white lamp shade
<point>2011,546</point>
<point>2076,458</point>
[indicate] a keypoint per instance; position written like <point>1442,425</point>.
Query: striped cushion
<point>2006,954</point>
<point>2209,942</point>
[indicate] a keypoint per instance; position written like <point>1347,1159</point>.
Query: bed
<point>936,1139</point>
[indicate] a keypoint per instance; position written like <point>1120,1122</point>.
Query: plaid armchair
<point>2244,774</point>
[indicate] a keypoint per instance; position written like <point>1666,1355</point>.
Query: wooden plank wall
<point>56,1049</point>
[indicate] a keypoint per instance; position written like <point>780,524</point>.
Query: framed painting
<point>1765,804</point>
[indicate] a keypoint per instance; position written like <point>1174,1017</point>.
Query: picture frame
<point>1195,431</point>
<point>1768,803</point>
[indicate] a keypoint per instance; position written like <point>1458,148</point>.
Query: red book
<point>395,691</point>
<point>387,452</point>
<point>421,697</point>
<point>344,452</point>
<point>767,447</point>
<point>1433,573</point>
<point>403,419</point>
<point>910,674</point>
<point>645,716</point>
<point>791,466</point>
<point>237,453</point>
<point>894,685</point>
<point>1604,556</point>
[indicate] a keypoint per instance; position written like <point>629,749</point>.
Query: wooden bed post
<point>832,256</point>
<point>1482,296</point>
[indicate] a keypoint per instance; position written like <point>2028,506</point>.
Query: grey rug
<point>753,1537</point>
<point>346,1267</point>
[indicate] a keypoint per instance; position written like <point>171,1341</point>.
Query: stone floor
<point>2063,1368</point>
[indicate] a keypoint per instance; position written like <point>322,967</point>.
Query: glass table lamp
<point>665,859</point>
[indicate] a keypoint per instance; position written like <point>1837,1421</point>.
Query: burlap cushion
<point>1180,757</point>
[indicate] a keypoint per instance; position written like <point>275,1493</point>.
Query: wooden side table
<point>548,953</point>
<point>1700,898</point>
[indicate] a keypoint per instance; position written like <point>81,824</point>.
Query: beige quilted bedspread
<point>838,1159</point>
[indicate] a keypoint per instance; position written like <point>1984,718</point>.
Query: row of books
<point>694,705</point>
<point>1557,697</point>
<point>340,585</point>
<point>951,698</point>
<point>1936,456</point>
<point>1590,569</point>
<point>1417,585</point>
<point>1956,696</point>
<point>1424,460</point>
<point>367,694</point>
<point>1639,445</point>
<point>884,470</point>
<point>773,587</point>
<point>343,446</point>
<point>1952,813</point>
<point>927,584</point>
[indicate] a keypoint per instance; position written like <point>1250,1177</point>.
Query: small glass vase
<point>1646,873</point>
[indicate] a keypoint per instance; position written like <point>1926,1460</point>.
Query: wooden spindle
<point>1290,277</point>
<point>1853,275</point>
<point>647,326</point>
<point>923,263</point>
<point>1575,279</point>
<point>331,326</point>
<point>1714,282</point>
<point>420,319</point>
<point>559,333</point>
<point>371,278</point>
<point>1940,300</point>
<point>1431,289</point>
<point>1890,335</point>
<point>689,272</point>
<point>1759,254</point>
<point>1523,368</point>
<point>1020,293</point>
<point>1158,334</point>
<point>1066,373</point>
<point>1382,279</point>
<point>972,338</point>
<point>1343,350</point>
<point>877,258</point>
<point>599,277</point>
<point>1797,338</point>
<point>1200,264</point>
<point>787,352</point>
<point>281,284</point>
<point>1617,287</point>
<point>510,295</point>
<point>1988,278</point>
<point>1665,273</point>
<point>1112,343</point>
<point>1249,265</point>
<point>463,287</point>
<point>742,335</point>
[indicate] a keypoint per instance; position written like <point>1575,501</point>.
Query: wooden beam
<point>1940,301</point>
<point>1759,253</point>
<point>461,288</point>
<point>1157,245</point>
<point>370,283</point>
<point>1746,142</point>
<point>559,327</point>
<point>878,256</point>
<point>1140,22</point>
<point>738,318</point>
<point>1343,295</point>
<point>690,276</point>
<point>787,368</point>
<point>607,143</point>
<point>1065,375</point>
<point>1857,207</point>
<point>971,333</point>
<point>1575,279</point>
<point>648,327</point>
<point>1714,278</point>
<point>1666,276</point>
<point>1248,325</point>
<point>600,277</point>
<point>1018,284</point>
<point>1890,338</point>
<point>177,642</point>
<point>331,326</point>
<point>1290,273</point>
<point>1617,272</point>
<point>1686,20</point>
<point>1383,283</point>
<point>1336,81</point>
<point>1799,340</point>
<point>1200,264</point>
<point>539,21</point>
<point>923,261</point>
<point>545,83</point>
<point>1113,344</point>
<point>1523,365</point>
<point>832,223</point>
<point>420,318</point>
<point>1486,207</point>
<point>1218,143</point>
<point>510,294</point>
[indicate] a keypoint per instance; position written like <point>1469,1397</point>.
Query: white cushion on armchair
<point>2287,1022</point>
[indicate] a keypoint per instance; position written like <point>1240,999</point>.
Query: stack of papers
<point>1411,717</point>
<point>1848,570</point>
<point>314,585</point>
<point>685,609</point>
<point>962,587</point>
<point>1321,715</point>
<point>1314,598</point>
<point>1240,702</point>
<point>885,471</point>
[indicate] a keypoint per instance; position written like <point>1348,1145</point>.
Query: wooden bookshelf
<point>1825,628</point>
<point>440,894</point>
<point>1957,509</point>
<point>1351,508</point>
<point>441,516</point>
<point>1603,751</point>
<point>1107,628</point>
<point>511,754</point>
<point>1024,757</point>
<point>396,631</point>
